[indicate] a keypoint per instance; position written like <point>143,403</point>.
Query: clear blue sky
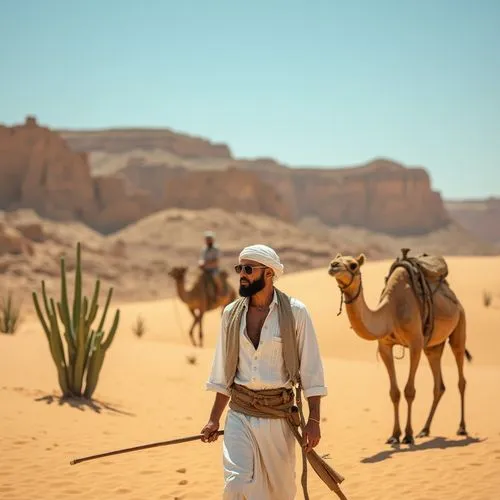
<point>312,83</point>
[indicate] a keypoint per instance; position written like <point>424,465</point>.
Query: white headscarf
<point>264,255</point>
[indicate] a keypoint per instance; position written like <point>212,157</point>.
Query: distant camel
<point>397,320</point>
<point>197,300</point>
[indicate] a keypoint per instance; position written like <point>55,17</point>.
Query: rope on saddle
<point>421,285</point>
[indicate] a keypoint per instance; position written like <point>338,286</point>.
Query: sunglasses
<point>247,269</point>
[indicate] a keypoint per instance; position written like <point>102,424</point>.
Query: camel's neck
<point>180,284</point>
<point>367,323</point>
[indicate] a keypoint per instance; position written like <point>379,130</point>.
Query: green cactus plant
<point>85,346</point>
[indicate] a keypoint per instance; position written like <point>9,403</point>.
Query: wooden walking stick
<point>141,447</point>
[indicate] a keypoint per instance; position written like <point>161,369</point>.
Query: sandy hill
<point>149,392</point>
<point>136,259</point>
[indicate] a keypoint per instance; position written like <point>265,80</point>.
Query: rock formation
<point>234,190</point>
<point>480,217</point>
<point>51,173</point>
<point>122,140</point>
<point>383,196</point>
<point>13,242</point>
<point>38,170</point>
<point>380,196</point>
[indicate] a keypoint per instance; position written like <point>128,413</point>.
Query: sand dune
<point>148,391</point>
<point>135,261</point>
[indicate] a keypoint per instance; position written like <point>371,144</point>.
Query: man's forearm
<point>314,407</point>
<point>220,403</point>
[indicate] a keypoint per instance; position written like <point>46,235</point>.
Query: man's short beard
<point>252,288</point>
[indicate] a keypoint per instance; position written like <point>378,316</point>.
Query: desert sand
<point>152,389</point>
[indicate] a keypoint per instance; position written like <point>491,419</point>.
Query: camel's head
<point>345,268</point>
<point>178,273</point>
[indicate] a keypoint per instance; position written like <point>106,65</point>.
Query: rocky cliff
<point>380,196</point>
<point>39,170</point>
<point>480,217</point>
<point>234,190</point>
<point>156,169</point>
<point>123,140</point>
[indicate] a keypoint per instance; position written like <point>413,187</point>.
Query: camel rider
<point>209,262</point>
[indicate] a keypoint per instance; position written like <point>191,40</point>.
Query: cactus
<point>85,346</point>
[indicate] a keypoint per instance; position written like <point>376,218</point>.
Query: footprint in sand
<point>122,491</point>
<point>182,470</point>
<point>146,472</point>
<point>183,482</point>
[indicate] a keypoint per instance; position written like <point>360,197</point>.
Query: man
<point>253,362</point>
<point>209,262</point>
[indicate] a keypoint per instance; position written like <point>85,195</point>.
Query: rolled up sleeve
<point>311,366</point>
<point>217,380</point>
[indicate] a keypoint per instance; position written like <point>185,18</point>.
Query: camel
<point>196,298</point>
<point>397,321</point>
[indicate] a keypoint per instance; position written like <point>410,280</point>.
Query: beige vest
<point>288,334</point>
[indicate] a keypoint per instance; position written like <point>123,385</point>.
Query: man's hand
<point>311,435</point>
<point>209,432</point>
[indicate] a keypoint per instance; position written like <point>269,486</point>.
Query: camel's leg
<point>200,329</point>
<point>388,359</point>
<point>434,355</point>
<point>415,353</point>
<point>457,343</point>
<point>191,330</point>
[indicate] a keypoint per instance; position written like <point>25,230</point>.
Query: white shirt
<point>209,256</point>
<point>264,367</point>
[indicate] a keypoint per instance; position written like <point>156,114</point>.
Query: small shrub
<point>139,328</point>
<point>192,360</point>
<point>487,298</point>
<point>10,314</point>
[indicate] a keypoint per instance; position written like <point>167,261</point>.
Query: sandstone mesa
<point>139,201</point>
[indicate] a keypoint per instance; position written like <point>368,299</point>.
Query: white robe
<point>259,453</point>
